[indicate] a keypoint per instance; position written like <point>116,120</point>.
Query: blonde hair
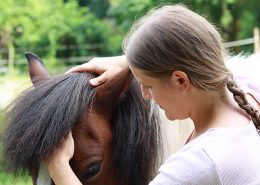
<point>172,37</point>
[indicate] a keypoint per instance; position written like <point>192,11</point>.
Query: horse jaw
<point>43,176</point>
<point>37,70</point>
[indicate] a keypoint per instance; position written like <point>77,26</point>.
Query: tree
<point>235,18</point>
<point>46,27</point>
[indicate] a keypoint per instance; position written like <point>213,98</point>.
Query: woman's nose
<point>146,93</point>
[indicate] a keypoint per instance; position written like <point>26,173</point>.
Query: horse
<point>117,134</point>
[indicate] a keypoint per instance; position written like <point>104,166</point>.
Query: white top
<point>220,156</point>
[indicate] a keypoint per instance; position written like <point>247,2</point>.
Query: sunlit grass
<point>11,86</point>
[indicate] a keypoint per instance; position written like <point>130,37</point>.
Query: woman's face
<point>169,94</point>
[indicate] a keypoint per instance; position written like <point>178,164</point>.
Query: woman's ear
<point>181,80</point>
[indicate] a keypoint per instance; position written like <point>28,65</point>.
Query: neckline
<point>218,130</point>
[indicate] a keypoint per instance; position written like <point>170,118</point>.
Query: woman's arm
<point>62,174</point>
<point>106,67</point>
<point>58,166</point>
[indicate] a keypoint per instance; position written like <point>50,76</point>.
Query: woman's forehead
<point>141,77</point>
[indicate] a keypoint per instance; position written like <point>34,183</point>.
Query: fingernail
<point>92,82</point>
<point>69,71</point>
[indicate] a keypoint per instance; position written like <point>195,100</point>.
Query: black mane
<point>137,140</point>
<point>42,115</point>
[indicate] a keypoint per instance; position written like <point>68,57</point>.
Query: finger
<point>67,142</point>
<point>87,67</point>
<point>66,138</point>
<point>79,68</point>
<point>98,80</point>
<point>69,135</point>
<point>71,70</point>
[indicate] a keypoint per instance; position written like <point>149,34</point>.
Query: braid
<point>240,98</point>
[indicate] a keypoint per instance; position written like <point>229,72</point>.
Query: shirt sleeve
<point>189,167</point>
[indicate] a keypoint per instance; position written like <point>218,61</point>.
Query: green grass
<point>9,179</point>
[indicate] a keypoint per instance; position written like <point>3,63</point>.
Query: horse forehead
<point>94,122</point>
<point>92,137</point>
<point>94,131</point>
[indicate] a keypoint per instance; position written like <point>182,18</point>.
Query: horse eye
<point>93,170</point>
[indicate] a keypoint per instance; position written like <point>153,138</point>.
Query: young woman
<point>178,58</point>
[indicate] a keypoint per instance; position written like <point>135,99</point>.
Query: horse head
<point>116,133</point>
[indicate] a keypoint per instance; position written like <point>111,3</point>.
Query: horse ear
<point>112,92</point>
<point>36,68</point>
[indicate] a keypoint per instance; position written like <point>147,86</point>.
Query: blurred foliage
<point>236,18</point>
<point>54,29</point>
<point>60,29</point>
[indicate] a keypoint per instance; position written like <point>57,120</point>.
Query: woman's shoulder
<point>235,153</point>
<point>222,156</point>
<point>224,142</point>
<point>190,166</point>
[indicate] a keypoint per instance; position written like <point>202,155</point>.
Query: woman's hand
<point>58,166</point>
<point>63,153</point>
<point>106,67</point>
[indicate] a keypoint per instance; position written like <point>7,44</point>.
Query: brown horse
<point>116,132</point>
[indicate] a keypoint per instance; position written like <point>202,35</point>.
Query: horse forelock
<point>42,115</point>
